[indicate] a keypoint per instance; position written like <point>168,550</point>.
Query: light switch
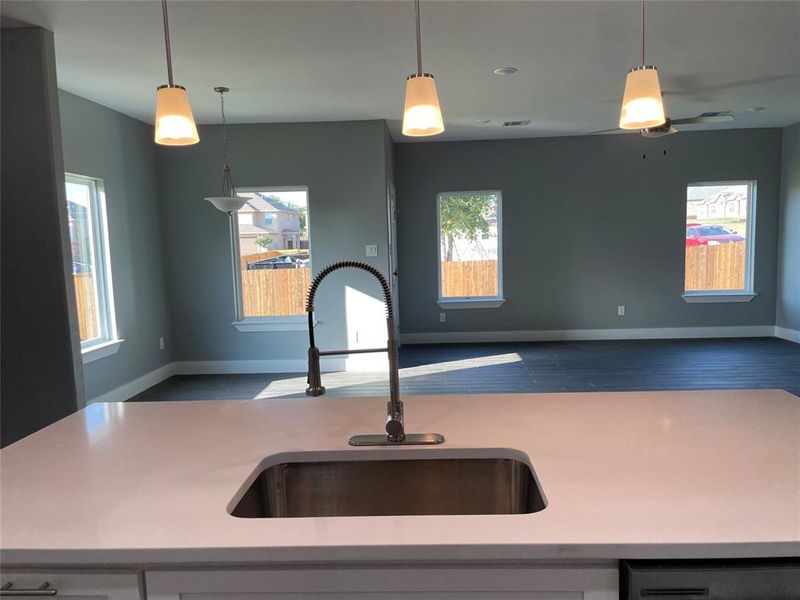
<point>372,250</point>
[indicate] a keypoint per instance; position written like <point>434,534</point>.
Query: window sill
<point>471,303</point>
<point>101,350</point>
<point>704,298</point>
<point>253,324</point>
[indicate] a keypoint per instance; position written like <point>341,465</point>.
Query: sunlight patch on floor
<point>376,383</point>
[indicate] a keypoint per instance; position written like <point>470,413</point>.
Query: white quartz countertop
<point>626,475</point>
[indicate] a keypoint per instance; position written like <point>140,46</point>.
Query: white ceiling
<point>305,60</point>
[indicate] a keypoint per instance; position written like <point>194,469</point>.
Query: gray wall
<point>343,166</point>
<point>40,372</point>
<point>788,310</point>
<point>589,224</point>
<point>102,143</point>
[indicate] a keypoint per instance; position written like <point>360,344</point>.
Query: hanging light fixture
<point>422,115</point>
<point>174,120</point>
<point>228,202</point>
<point>642,106</point>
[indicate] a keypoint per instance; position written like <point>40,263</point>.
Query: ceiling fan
<point>668,127</point>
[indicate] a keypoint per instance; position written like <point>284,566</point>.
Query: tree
<point>464,217</point>
<point>263,241</point>
<point>301,211</point>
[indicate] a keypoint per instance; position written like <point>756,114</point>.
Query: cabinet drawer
<point>73,585</point>
<point>381,583</point>
<point>767,579</point>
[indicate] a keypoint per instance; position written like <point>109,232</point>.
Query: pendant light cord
<point>642,31</point>
<point>419,39</point>
<point>166,43</point>
<point>228,187</point>
<point>224,129</point>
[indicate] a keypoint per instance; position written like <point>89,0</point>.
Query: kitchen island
<point>147,487</point>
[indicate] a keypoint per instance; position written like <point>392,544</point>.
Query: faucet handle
<point>395,428</point>
<point>315,387</point>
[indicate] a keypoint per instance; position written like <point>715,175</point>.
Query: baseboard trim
<point>587,334</point>
<point>138,385</point>
<point>287,365</point>
<point>793,335</point>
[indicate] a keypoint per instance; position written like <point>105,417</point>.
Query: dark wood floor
<point>531,367</point>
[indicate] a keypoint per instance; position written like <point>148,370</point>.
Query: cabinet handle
<point>8,590</point>
<point>673,592</point>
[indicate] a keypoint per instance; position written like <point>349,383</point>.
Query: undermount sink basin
<point>392,486</point>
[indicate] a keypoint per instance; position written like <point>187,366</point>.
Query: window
<point>91,270</point>
<point>470,249</point>
<point>271,237</point>
<point>720,223</point>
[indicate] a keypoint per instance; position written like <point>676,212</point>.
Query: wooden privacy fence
<point>275,292</point>
<point>248,258</point>
<point>718,267</point>
<point>469,278</point>
<point>86,297</point>
<point>282,292</point>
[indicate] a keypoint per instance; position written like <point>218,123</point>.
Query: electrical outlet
<point>620,311</point>
<point>372,250</point>
<point>161,343</point>
<point>442,317</point>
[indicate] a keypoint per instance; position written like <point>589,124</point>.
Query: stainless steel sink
<point>403,486</point>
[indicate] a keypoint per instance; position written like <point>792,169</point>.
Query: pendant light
<point>642,106</point>
<point>228,202</point>
<point>174,120</point>
<point>422,115</point>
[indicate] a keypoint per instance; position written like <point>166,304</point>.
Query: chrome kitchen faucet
<point>395,429</point>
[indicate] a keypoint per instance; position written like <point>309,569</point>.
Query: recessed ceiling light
<point>505,70</point>
<point>756,108</point>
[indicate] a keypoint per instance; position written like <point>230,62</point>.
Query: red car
<point>709,235</point>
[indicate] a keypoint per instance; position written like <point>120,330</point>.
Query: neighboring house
<point>710,203</point>
<point>264,215</point>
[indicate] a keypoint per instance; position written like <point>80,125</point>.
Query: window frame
<point>467,302</point>
<point>109,341</point>
<point>747,293</point>
<point>275,322</point>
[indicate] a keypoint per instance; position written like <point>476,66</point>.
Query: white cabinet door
<point>73,585</point>
<point>401,583</point>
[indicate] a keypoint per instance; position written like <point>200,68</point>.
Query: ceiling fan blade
<point>720,117</point>
<point>614,130</point>
<point>658,133</point>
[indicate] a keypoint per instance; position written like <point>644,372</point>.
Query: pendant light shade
<point>174,120</point>
<point>422,115</point>
<point>642,106</point>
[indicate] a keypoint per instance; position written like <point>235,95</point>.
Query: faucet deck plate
<point>411,439</point>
